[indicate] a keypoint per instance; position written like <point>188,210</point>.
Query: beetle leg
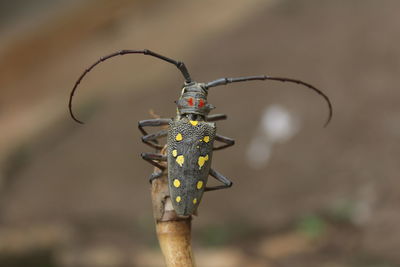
<point>147,139</point>
<point>228,142</point>
<point>152,123</point>
<point>226,182</point>
<point>155,175</point>
<point>216,117</point>
<point>152,158</point>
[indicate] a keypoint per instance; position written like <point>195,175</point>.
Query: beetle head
<point>193,100</point>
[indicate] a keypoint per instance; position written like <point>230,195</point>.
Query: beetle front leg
<point>228,142</point>
<point>226,182</point>
<point>216,117</point>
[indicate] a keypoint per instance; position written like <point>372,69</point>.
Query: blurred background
<point>303,195</point>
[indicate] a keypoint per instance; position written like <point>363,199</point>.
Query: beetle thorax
<point>193,100</point>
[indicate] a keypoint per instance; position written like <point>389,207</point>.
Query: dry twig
<point>173,232</point>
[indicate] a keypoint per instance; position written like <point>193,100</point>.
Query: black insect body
<point>190,147</point>
<point>191,136</point>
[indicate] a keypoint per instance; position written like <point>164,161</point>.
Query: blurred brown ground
<point>76,195</point>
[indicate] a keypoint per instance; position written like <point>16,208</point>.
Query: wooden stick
<point>173,232</point>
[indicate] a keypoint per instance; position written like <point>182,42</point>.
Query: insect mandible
<point>190,135</point>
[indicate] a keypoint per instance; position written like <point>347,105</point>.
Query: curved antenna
<point>180,65</point>
<point>224,81</point>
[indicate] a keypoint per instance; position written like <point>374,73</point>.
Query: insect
<point>191,135</point>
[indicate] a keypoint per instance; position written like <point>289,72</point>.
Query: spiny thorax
<point>193,100</point>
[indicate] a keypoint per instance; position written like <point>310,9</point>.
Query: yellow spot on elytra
<point>178,137</point>
<point>197,146</point>
<point>199,184</point>
<point>202,160</point>
<point>178,199</point>
<point>194,200</point>
<point>180,160</point>
<point>174,153</point>
<point>206,139</point>
<point>177,183</point>
<point>194,123</point>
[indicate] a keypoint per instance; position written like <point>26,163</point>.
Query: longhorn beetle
<point>190,135</point>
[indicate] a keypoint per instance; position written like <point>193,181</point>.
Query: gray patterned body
<point>190,146</point>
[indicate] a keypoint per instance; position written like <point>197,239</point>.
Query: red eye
<point>201,103</point>
<point>190,101</point>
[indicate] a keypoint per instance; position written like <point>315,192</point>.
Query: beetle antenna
<point>224,81</point>
<point>180,65</point>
